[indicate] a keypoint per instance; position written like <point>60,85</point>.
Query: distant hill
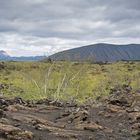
<point>30,58</point>
<point>5,57</point>
<point>100,52</point>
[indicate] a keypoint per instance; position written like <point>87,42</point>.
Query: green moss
<point>65,80</point>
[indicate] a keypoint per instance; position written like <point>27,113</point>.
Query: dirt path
<point>114,118</point>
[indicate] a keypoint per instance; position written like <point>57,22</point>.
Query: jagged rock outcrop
<point>116,117</point>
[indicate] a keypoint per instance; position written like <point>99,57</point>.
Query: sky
<point>44,27</point>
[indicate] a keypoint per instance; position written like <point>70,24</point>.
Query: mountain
<point>100,52</point>
<point>5,57</point>
<point>3,54</point>
<point>29,58</point>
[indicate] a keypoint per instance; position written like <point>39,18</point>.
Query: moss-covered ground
<point>65,80</point>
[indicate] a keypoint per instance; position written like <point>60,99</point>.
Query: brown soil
<point>115,118</point>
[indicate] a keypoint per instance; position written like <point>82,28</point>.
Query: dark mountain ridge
<point>5,57</point>
<point>100,52</point>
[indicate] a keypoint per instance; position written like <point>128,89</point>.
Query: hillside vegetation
<point>65,80</point>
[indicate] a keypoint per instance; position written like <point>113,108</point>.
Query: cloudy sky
<point>38,27</point>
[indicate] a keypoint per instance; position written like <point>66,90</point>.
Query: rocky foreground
<point>116,117</point>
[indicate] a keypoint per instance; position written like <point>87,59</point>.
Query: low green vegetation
<point>65,80</point>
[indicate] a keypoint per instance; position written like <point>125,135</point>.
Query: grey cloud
<point>69,21</point>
